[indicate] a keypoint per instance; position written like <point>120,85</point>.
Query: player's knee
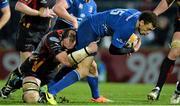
<point>31,89</point>
<point>84,67</point>
<point>83,72</point>
<point>175,50</point>
<point>93,69</point>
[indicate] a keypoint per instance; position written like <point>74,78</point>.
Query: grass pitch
<point>120,93</point>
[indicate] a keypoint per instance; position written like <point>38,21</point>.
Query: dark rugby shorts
<point>28,40</point>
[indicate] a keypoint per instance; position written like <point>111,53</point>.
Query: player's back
<point>81,9</point>
<point>105,23</point>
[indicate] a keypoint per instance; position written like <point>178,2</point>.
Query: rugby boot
<point>154,94</point>
<point>50,98</point>
<point>101,99</point>
<point>175,99</point>
<point>5,92</point>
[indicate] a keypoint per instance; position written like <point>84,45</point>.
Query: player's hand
<point>92,47</point>
<point>75,23</point>
<point>137,46</point>
<point>46,12</point>
<point>52,13</point>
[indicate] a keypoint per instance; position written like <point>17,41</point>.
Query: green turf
<point>120,93</point>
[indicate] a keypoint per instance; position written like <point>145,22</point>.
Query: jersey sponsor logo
<point>105,28</point>
<point>80,6</point>
<point>54,39</point>
<point>82,15</point>
<point>119,40</point>
<point>90,9</point>
<point>37,64</point>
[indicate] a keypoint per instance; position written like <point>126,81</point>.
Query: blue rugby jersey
<point>118,23</point>
<point>81,9</point>
<point>3,3</point>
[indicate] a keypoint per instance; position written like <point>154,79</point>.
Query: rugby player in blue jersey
<point>5,10</point>
<point>71,13</point>
<point>121,24</point>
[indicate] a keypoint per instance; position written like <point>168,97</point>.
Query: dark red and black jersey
<point>43,62</point>
<point>36,22</point>
<point>50,45</point>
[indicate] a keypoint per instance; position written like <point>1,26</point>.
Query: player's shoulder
<point>52,36</point>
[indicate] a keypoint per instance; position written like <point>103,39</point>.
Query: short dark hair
<point>69,33</point>
<point>149,17</point>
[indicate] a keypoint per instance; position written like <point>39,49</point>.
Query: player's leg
<point>31,87</point>
<point>175,98</point>
<point>72,77</point>
<point>166,67</point>
<point>63,71</point>
<point>92,79</point>
<point>14,81</point>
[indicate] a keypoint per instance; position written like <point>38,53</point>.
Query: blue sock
<point>93,83</point>
<point>51,83</point>
<point>68,80</point>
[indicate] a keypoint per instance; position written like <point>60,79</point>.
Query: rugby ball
<point>132,41</point>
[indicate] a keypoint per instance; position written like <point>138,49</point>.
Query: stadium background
<point>142,67</point>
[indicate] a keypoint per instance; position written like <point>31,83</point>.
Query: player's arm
<point>52,43</point>
<point>124,50</point>
<point>60,9</point>
<point>5,15</point>
<point>119,47</point>
<point>120,51</point>
<point>79,55</point>
<point>62,57</point>
<point>76,57</point>
<point>163,6</point>
<point>22,6</point>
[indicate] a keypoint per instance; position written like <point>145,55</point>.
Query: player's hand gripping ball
<point>133,40</point>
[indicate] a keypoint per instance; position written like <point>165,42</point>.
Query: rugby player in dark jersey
<point>34,24</point>
<point>53,50</point>
<point>174,52</point>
